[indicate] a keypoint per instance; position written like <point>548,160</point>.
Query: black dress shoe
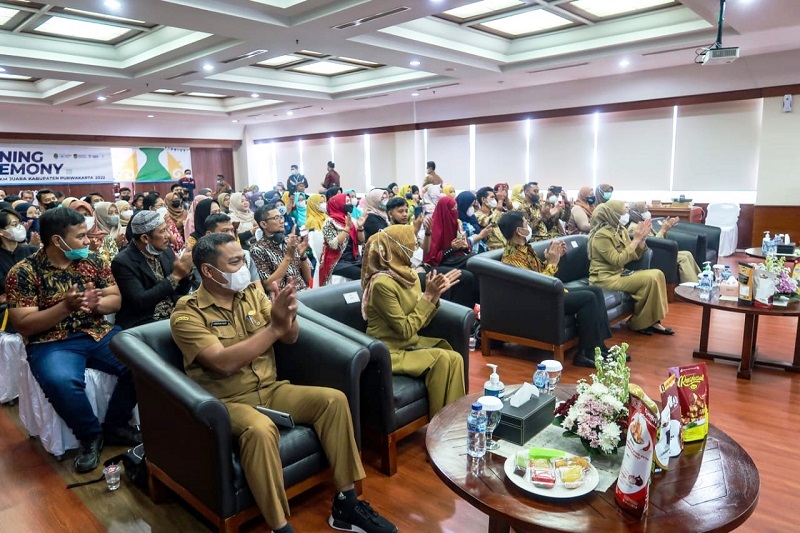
<point>89,455</point>
<point>122,435</point>
<point>582,359</point>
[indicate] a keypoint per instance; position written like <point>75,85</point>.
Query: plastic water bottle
<point>541,379</point>
<point>476,431</point>
<point>726,274</point>
<point>773,247</point>
<point>706,286</point>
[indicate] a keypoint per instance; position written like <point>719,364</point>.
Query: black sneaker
<point>122,435</point>
<point>89,456</point>
<point>360,518</point>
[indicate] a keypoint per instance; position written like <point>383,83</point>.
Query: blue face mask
<point>75,255</point>
<point>607,195</point>
<point>282,209</point>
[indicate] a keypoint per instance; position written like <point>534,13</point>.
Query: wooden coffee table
<point>756,252</point>
<point>713,486</point>
<point>748,357</point>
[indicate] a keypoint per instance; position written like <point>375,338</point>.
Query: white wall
<point>779,161</point>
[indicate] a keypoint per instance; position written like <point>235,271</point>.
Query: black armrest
<point>694,243</point>
<point>186,430</point>
<point>643,263</point>
<point>323,358</point>
<point>519,302</point>
<point>665,257</point>
<point>453,323</point>
<point>712,234</point>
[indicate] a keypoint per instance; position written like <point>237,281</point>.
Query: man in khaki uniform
<point>226,331</point>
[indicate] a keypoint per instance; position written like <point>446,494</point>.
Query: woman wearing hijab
<point>240,212</point>
<point>688,270</point>
<point>518,196</point>
<point>29,215</point>
<point>477,235</point>
<point>107,219</point>
<point>202,210</point>
<point>315,216</point>
<point>449,243</point>
<point>392,189</point>
<point>375,209</point>
<point>580,220</point>
<point>224,201</point>
<point>67,202</point>
<point>99,240</point>
<point>340,247</point>
<point>175,211</point>
<point>188,227</point>
<point>396,309</point>
<point>603,193</point>
<point>610,249</point>
<point>449,190</point>
<point>299,213</point>
<point>138,202</point>
<point>125,214</point>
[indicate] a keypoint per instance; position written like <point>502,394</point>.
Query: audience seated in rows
<point>580,220</point>
<point>57,300</point>
<point>226,331</point>
<point>342,235</point>
<point>488,216</point>
<point>279,258</point>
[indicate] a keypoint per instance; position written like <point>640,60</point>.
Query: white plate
<point>591,479</point>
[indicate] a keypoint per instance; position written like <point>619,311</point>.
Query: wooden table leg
<point>705,325</point>
<point>796,362</point>
<point>496,525</point>
<point>755,335</point>
<point>746,363</point>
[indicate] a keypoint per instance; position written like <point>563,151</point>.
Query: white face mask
<point>89,223</point>
<point>646,215</point>
<point>624,219</point>
<point>553,199</point>
<point>470,211</point>
<point>162,211</point>
<point>236,281</point>
<point>126,215</point>
<point>529,236</point>
<point>259,203</point>
<point>301,204</point>
<point>416,259</point>
<point>323,207</point>
<point>17,233</point>
<point>492,203</point>
<point>113,221</point>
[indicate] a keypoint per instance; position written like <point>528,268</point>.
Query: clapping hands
<point>437,284</point>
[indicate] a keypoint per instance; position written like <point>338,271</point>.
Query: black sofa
<point>187,431</point>
<point>711,233</point>
<point>392,406</point>
<point>527,308</point>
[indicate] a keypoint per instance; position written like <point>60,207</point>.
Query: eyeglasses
<point>274,217</point>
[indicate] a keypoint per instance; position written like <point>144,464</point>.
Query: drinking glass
<point>492,419</point>
<point>553,369</point>
<point>112,474</point>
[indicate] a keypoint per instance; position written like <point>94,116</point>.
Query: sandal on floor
<point>665,331</point>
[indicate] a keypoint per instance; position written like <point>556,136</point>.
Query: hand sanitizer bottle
<point>765,243</point>
<point>493,387</point>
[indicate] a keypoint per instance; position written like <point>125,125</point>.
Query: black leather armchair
<point>712,234</point>
<point>187,431</point>
<point>392,406</point>
<point>527,308</point>
<point>665,258</point>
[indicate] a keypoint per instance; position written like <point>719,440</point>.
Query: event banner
<point>34,164</point>
<point>150,164</point>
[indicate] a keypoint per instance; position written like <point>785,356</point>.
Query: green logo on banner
<point>153,170</point>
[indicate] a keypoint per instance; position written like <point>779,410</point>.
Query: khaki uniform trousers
<point>323,408</point>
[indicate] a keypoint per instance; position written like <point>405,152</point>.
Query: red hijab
<point>336,212</point>
<point>444,229</point>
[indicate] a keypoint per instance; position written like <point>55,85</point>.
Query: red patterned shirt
<point>35,282</point>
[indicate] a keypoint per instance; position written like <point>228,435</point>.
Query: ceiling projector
<point>719,56</point>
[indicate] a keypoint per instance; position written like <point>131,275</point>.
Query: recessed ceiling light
<point>81,29</point>
<point>414,94</point>
<point>414,63</point>
<point>102,98</point>
<point>206,95</point>
<point>15,77</point>
<point>477,9</point>
<point>165,91</point>
<point>325,68</point>
<point>624,63</point>
<point>528,22</point>
<point>359,61</point>
<point>280,61</point>
<point>150,116</point>
<point>254,95</point>
<point>2,69</point>
<point>112,4</point>
<point>208,67</point>
<point>604,8</point>
<point>7,14</point>
<point>290,113</point>
<point>234,121</point>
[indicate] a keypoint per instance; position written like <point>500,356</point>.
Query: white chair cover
<point>726,217</point>
<point>40,419</point>
<point>315,241</point>
<point>12,352</point>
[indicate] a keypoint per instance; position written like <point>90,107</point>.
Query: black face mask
<point>277,237</point>
<point>591,200</point>
<point>50,205</point>
<point>125,197</point>
<point>176,203</point>
<point>534,199</point>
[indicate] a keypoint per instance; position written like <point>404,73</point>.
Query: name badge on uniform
<point>217,323</point>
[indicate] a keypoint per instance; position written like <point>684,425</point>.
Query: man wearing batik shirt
<point>57,300</point>
<point>279,258</point>
<point>533,213</point>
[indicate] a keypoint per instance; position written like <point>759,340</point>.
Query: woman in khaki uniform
<point>610,249</point>
<point>687,267</point>
<point>395,309</point>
